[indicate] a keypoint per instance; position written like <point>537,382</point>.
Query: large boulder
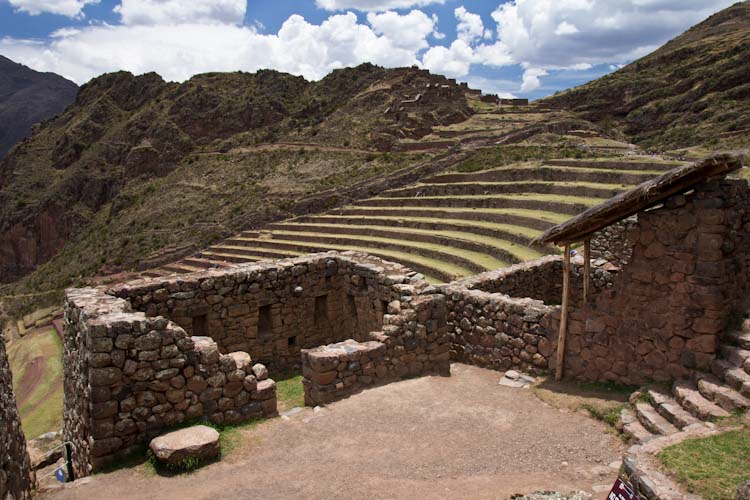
<point>198,442</point>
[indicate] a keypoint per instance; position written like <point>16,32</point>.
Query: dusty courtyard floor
<point>463,437</point>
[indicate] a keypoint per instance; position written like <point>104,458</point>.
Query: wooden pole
<point>563,315</point>
<point>586,270</point>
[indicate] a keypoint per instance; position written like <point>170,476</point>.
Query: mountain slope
<point>236,143</point>
<point>692,91</point>
<point>28,97</point>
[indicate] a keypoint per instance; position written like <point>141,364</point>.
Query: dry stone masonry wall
<point>16,476</point>
<point>412,342</point>
<point>509,318</point>
<point>615,243</point>
<point>150,354</point>
<point>274,310</point>
<point>664,316</point>
<point>127,376</point>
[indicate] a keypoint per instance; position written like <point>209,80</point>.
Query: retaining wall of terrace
<point>669,306</point>
<point>615,243</point>
<point>16,476</point>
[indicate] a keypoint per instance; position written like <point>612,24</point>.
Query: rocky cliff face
<point>125,131</point>
<point>694,90</point>
<point>28,97</point>
<point>16,477</point>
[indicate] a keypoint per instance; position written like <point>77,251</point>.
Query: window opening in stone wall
<point>265,325</point>
<point>321,309</point>
<point>384,306</point>
<point>352,306</point>
<point>200,326</point>
<point>291,341</point>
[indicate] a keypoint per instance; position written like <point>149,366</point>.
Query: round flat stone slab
<point>174,447</point>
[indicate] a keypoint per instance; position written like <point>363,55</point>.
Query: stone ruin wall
<point>615,243</point>
<point>127,377</point>
<point>668,308</point>
<point>16,476</point>
<point>272,310</point>
<point>509,318</point>
<point>412,342</point>
<point>131,370</point>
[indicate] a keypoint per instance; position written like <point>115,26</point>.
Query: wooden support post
<point>586,270</point>
<point>563,315</point>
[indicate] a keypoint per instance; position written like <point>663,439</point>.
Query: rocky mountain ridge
<point>692,91</point>
<point>28,97</point>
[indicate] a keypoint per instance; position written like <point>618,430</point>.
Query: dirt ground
<point>463,437</point>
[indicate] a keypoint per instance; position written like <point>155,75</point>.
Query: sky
<point>524,48</point>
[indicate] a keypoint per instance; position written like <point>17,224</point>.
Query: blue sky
<point>528,48</point>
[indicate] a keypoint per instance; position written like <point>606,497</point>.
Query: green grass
<point>594,185</point>
<point>36,364</point>
<point>289,391</point>
<point>609,415</point>
<point>486,261</point>
<point>711,467</point>
<point>503,155</point>
<point>521,252</point>
<point>556,198</point>
<point>571,170</point>
<point>543,215</point>
<point>526,232</point>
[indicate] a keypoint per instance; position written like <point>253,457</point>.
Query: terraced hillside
<point>450,225</point>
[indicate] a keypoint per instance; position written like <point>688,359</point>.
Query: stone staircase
<point>696,403</point>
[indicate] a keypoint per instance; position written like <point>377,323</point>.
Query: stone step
<point>652,421</point>
<point>735,355</point>
<point>633,429</point>
<point>534,219</point>
<point>614,164</point>
<point>571,205</point>
<point>739,338</point>
<point>734,376</point>
<point>546,173</point>
<point>712,389</point>
<point>593,189</point>
<point>670,409</point>
<point>687,395</point>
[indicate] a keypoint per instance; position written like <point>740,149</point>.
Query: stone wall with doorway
<point>16,477</point>
<point>273,310</point>
<point>131,370</point>
<point>412,342</point>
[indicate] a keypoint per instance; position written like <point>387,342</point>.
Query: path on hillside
<point>462,437</point>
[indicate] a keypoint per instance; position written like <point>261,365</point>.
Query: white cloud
<point>165,12</point>
<point>606,31</point>
<point>565,28</point>
<point>409,31</point>
<point>373,5</point>
<point>531,79</point>
<point>69,8</point>
<point>178,52</point>
<point>454,61</point>
<point>470,26</point>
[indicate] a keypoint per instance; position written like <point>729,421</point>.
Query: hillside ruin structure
<point>146,355</point>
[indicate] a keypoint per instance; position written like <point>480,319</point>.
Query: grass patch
<point>505,155</point>
<point>289,391</point>
<point>711,467</point>
<point>601,400</point>
<point>36,364</point>
<point>609,415</point>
